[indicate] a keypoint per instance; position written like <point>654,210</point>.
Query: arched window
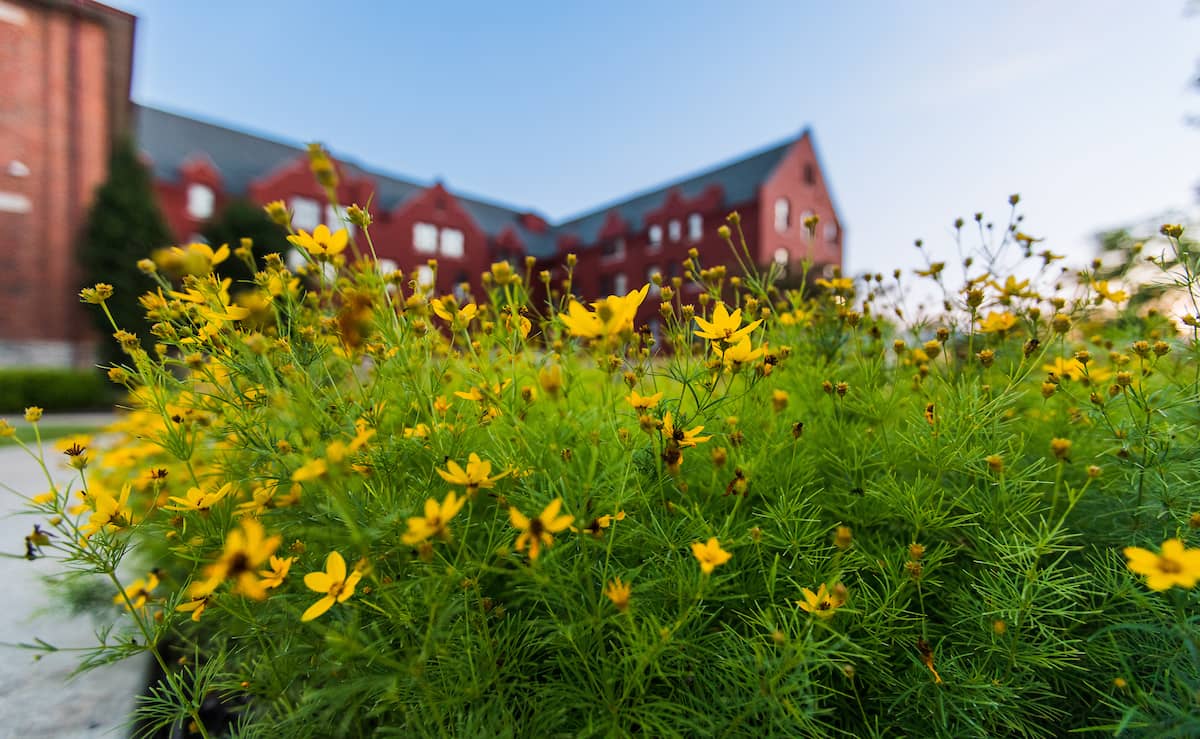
<point>655,235</point>
<point>675,230</point>
<point>200,200</point>
<point>783,215</point>
<point>695,227</point>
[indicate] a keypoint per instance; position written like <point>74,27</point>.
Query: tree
<point>238,220</point>
<point>123,226</point>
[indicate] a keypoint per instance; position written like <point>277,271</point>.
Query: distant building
<point>64,93</point>
<point>199,167</point>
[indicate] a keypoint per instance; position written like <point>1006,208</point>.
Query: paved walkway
<point>37,698</point>
<point>87,418</point>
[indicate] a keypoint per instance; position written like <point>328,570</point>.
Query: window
<point>452,243</point>
<point>387,267</point>
<point>614,249</point>
<point>425,237</point>
<point>200,201</point>
<point>461,287</point>
<point>831,232</point>
<point>695,227</point>
<point>810,176</point>
<point>783,215</point>
<point>651,271</point>
<point>675,230</point>
<point>306,214</point>
<point>781,256</point>
<point>295,259</point>
<point>620,284</point>
<point>655,236</point>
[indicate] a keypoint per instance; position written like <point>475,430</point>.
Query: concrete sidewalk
<point>36,697</point>
<point>82,418</point>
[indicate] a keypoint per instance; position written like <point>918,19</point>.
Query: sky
<point>922,111</point>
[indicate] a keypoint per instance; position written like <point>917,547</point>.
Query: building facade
<point>65,67</point>
<point>64,94</point>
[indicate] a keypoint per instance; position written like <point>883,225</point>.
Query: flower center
<point>336,589</point>
<point>1169,566</point>
<point>238,564</point>
<point>536,527</point>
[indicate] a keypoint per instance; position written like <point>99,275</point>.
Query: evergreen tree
<point>123,226</point>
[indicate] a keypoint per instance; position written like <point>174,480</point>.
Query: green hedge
<point>53,389</point>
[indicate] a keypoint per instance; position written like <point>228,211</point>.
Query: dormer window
<point>675,230</point>
<point>783,215</point>
<point>695,227</point>
<point>306,213</point>
<point>452,243</point>
<point>613,249</point>
<point>200,199</point>
<point>655,235</point>
<point>425,238</point>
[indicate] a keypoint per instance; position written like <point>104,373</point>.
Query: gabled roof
<point>739,180</point>
<point>170,139</point>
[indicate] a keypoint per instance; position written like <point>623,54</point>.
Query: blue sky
<point>922,111</point>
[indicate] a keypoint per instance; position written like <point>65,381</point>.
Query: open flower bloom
<point>447,310</point>
<point>822,603</point>
<point>310,470</point>
<point>273,577</point>
<point>435,521</point>
<point>539,530</point>
<point>612,315</point>
<point>997,322</point>
<point>738,354</point>
<point>321,243</point>
<point>643,402</point>
<point>110,513</point>
<point>1176,565</point>
<point>199,500</point>
<point>725,326</point>
<point>478,474</point>
<point>682,439</point>
<point>333,582</point>
<point>246,549</point>
<point>619,592</point>
<point>710,555</point>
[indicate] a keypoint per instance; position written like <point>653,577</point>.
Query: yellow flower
<point>333,582</point>
<point>199,500</point>
<point>195,606</point>
<point>822,603</point>
<point>618,592</point>
<point>612,315</point>
<point>683,439</point>
<point>725,326</point>
<point>738,354</point>
<point>710,554</point>
<point>598,524</point>
<point>1104,291</point>
<point>321,243</point>
<point>446,309</point>
<point>643,402</point>
<point>134,595</point>
<point>476,475</point>
<point>997,322</point>
<point>109,513</point>
<point>310,471</point>
<point>1174,566</point>
<point>33,414</point>
<point>538,530</point>
<point>246,548</point>
<point>193,259</point>
<point>273,577</point>
<point>837,284</point>
<point>435,521</point>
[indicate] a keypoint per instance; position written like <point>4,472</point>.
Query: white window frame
<point>620,284</point>
<point>424,277</point>
<point>200,201</point>
<point>452,243</point>
<point>425,238</point>
<point>695,227</point>
<point>306,213</point>
<point>655,235</point>
<point>783,215</point>
<point>674,230</point>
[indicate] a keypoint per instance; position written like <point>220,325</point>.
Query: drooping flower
<point>710,554</point>
<point>195,606</point>
<point>321,243</point>
<point>334,582</point>
<point>539,530</point>
<point>823,603</point>
<point>436,520</point>
<point>725,326</point>
<point>1175,565</point>
<point>478,474</point>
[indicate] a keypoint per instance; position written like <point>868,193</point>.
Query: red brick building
<point>64,93</point>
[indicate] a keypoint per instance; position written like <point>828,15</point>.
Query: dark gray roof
<point>170,139</point>
<point>738,179</point>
